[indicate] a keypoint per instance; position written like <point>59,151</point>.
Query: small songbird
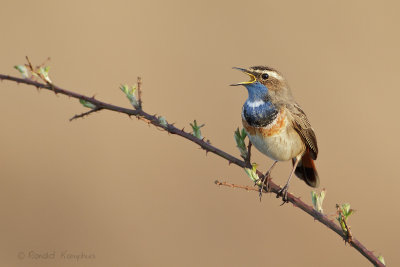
<point>277,126</point>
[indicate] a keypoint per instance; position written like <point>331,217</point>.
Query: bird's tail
<point>306,170</point>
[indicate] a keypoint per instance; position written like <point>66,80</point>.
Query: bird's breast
<point>278,139</point>
<point>274,127</point>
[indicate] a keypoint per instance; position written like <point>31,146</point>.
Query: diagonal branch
<point>274,188</point>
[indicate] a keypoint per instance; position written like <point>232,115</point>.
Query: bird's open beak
<point>252,77</point>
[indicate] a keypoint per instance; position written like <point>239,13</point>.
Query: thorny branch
<point>87,113</point>
<point>154,120</point>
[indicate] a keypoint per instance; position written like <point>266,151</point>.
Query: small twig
<point>29,65</point>
<point>39,74</point>
<point>139,91</point>
<point>77,116</point>
<point>248,188</point>
<point>349,236</point>
<point>248,158</point>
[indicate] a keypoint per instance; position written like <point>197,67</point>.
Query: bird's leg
<point>284,190</point>
<point>265,179</point>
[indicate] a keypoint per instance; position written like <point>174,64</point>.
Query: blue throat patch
<point>260,116</point>
<point>263,114</point>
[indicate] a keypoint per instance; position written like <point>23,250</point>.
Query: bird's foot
<point>264,184</point>
<point>283,193</point>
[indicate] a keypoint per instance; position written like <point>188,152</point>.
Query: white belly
<point>283,146</point>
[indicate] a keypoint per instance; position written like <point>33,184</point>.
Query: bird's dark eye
<point>264,76</point>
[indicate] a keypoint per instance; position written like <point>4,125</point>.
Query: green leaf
<point>45,73</point>
<point>129,92</point>
<point>344,215</point>
<point>163,121</point>
<point>196,129</point>
<point>23,70</point>
<point>87,104</point>
<point>343,226</point>
<point>240,136</point>
<point>318,199</point>
<point>252,173</point>
<point>381,259</point>
<point>346,210</point>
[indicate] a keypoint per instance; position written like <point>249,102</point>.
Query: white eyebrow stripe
<point>255,104</point>
<point>275,75</point>
<point>271,73</point>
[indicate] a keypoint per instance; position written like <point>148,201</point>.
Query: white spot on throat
<point>254,104</point>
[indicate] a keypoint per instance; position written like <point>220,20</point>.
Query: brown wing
<point>303,127</point>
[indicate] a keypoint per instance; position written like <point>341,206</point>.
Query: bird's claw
<point>264,184</point>
<point>283,193</point>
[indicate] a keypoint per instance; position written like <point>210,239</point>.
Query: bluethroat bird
<point>277,126</point>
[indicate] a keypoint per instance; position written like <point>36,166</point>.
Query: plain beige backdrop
<point>126,194</point>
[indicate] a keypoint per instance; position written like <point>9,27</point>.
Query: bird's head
<point>266,82</point>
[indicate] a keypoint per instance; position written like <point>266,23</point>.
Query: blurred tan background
<point>126,194</point>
